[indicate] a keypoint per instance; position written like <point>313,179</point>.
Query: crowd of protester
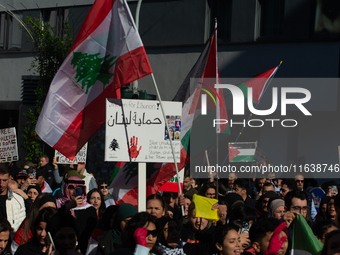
<point>44,210</point>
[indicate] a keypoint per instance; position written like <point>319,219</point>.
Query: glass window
<point>15,31</point>
<point>10,31</point>
<point>272,16</point>
<point>2,30</point>
<point>55,17</point>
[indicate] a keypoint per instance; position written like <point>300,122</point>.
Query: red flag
<point>106,55</point>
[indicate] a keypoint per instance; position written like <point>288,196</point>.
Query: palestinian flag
<point>124,185</point>
<point>304,241</point>
<point>242,152</point>
<point>205,72</point>
<point>258,84</point>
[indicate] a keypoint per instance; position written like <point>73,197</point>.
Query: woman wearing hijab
<point>111,239</point>
<point>277,208</point>
<point>33,191</point>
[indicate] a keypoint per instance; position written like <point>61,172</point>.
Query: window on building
<point>56,18</point>
<point>2,30</point>
<point>10,31</point>
<point>272,16</point>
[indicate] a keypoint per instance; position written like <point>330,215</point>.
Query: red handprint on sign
<point>133,152</point>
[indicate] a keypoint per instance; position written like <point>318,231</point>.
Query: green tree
<point>50,49</point>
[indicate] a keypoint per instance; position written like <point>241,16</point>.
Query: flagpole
<point>264,90</point>
<point>218,128</point>
<point>167,128</point>
<point>141,165</point>
<point>166,123</point>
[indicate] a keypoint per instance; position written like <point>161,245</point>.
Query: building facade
<point>253,37</point>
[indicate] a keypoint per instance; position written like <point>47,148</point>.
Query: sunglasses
<point>302,181</point>
<point>103,186</point>
<point>154,233</point>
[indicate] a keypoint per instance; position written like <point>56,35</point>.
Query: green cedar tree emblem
<point>91,68</point>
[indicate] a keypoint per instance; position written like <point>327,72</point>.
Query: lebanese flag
<point>124,186</point>
<point>106,55</point>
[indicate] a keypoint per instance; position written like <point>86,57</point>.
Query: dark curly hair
<point>260,228</point>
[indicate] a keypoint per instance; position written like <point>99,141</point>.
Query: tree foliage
<point>51,46</point>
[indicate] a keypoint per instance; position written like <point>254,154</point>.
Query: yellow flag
<point>203,208</point>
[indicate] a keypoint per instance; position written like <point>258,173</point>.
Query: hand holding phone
<point>78,192</point>
<point>49,240</point>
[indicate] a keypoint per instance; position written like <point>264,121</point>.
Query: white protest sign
<point>141,130</point>
<point>79,158</point>
<point>8,145</point>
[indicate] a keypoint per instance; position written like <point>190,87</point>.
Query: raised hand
<point>133,152</point>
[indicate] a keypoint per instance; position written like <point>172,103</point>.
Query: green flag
<point>304,241</point>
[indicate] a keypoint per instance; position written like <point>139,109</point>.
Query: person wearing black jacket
<point>241,187</point>
<point>48,171</point>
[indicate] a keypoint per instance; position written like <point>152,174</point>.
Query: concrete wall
<point>13,66</point>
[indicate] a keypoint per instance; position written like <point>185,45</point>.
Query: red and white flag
<point>106,55</point>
